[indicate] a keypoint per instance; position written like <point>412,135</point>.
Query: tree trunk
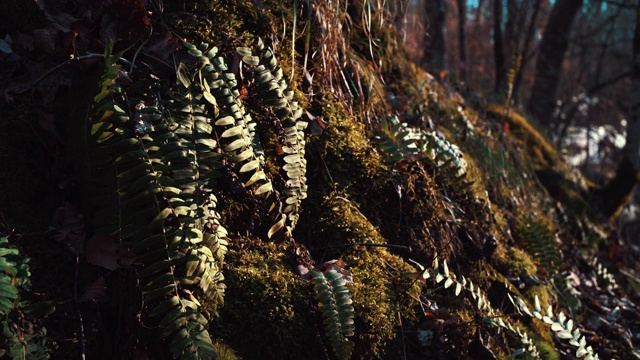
<point>553,46</point>
<point>511,38</point>
<point>498,51</point>
<point>435,49</point>
<point>525,49</point>
<point>462,42</point>
<point>632,148</point>
<point>616,193</point>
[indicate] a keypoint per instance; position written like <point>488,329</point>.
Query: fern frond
<point>563,327</point>
<point>439,272</point>
<point>161,163</point>
<point>235,127</point>
<point>335,305</point>
<point>397,140</point>
<point>444,154</point>
<point>275,93</point>
<point>605,278</point>
<point>16,342</point>
<point>540,242</point>
<point>8,270</point>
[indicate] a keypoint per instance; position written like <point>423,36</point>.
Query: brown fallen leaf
<point>338,265</point>
<point>96,291</point>
<point>69,228</point>
<point>107,252</point>
<point>48,124</point>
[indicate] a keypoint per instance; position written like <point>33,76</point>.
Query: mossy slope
<point>380,218</point>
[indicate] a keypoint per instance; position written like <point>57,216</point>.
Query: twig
<point>75,298</point>
<point>365,244</point>
<point>404,346</point>
<point>71,61</point>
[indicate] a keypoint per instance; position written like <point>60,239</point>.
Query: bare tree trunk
<point>553,46</point>
<point>435,49</point>
<point>511,39</point>
<point>525,49</point>
<point>462,21</point>
<point>632,148</point>
<point>615,194</point>
<point>498,51</point>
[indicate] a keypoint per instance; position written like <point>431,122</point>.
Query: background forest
<point>319,179</point>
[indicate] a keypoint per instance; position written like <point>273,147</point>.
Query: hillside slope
<point>204,187</point>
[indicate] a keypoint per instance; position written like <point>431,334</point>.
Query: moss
<point>340,223</point>
<point>546,349</point>
<point>225,352</point>
<point>216,21</point>
<point>269,299</point>
<point>342,161</point>
<point>515,262</point>
<point>382,295</point>
<point>539,150</point>
<point>267,313</point>
<point>538,326</point>
<point>354,162</point>
<point>422,213</point>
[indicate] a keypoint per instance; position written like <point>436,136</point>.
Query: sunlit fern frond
<point>274,92</point>
<point>158,165</point>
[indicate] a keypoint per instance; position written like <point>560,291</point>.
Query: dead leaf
<point>24,41</point>
<point>164,48</point>
<point>189,295</point>
<point>107,252</point>
<point>96,291</point>
<point>47,123</point>
<point>45,39</point>
<point>333,264</point>
<point>277,226</point>
<point>69,228</point>
<point>338,265</point>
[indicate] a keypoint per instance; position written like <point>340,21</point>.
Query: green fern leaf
<point>15,276</point>
<point>8,270</point>
<point>275,93</point>
<point>160,162</point>
<point>335,305</point>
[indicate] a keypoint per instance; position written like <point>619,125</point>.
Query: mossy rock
<point>515,262</point>
<point>383,292</point>
<point>384,297</point>
<point>267,313</point>
<point>538,149</point>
